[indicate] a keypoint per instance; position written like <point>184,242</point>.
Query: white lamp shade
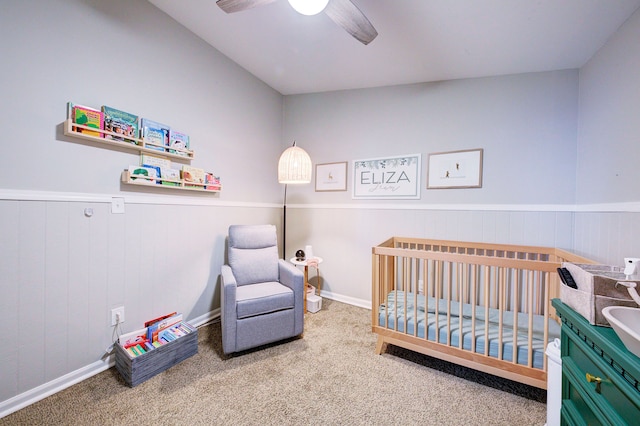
<point>309,7</point>
<point>294,166</point>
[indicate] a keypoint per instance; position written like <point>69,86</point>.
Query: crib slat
<point>427,274</point>
<point>406,279</point>
<point>530,285</point>
<point>474,295</point>
<point>546,318</point>
<point>487,291</point>
<point>416,288</point>
<point>438,296</point>
<point>501,302</point>
<point>387,284</point>
<point>460,279</point>
<point>395,309</point>
<point>516,302</point>
<point>449,290</point>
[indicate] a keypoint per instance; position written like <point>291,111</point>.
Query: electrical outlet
<point>117,205</point>
<point>117,315</point>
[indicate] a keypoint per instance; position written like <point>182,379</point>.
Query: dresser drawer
<point>578,399</point>
<point>576,411</point>
<point>613,397</point>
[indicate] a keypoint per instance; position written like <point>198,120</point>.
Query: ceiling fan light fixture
<point>309,7</point>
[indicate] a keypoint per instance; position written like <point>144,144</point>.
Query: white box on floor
<point>314,303</point>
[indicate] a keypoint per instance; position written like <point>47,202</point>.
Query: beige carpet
<point>331,376</point>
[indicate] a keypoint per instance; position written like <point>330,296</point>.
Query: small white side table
<point>305,263</point>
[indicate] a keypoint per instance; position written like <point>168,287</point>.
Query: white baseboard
<point>206,318</point>
<point>61,383</point>
<point>361,303</point>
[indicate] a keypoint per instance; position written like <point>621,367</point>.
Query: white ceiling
<point>418,41</point>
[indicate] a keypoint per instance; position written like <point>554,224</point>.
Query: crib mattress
<point>403,309</point>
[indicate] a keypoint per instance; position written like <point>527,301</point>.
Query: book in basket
<point>86,116</point>
<point>178,143</point>
<point>120,122</point>
<point>155,326</point>
<point>155,135</point>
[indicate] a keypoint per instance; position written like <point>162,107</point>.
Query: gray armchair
<point>262,295</point>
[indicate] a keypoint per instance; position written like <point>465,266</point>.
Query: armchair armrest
<point>228,316</point>
<point>290,276</point>
<point>293,278</point>
<point>228,279</point>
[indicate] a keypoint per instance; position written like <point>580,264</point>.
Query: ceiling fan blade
<point>231,6</point>
<point>349,17</point>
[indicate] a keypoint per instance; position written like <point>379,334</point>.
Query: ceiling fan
<point>342,12</point>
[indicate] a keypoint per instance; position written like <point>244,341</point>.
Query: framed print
<point>455,169</point>
<point>331,177</point>
<point>387,178</point>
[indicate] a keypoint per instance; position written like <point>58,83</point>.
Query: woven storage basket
<point>143,367</point>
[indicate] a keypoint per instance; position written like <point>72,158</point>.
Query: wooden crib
<point>484,306</point>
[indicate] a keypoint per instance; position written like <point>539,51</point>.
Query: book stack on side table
<point>147,352</point>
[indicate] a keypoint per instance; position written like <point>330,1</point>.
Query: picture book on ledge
<point>85,116</point>
<point>170,177</point>
<point>213,182</point>
<point>152,160</point>
<point>179,143</point>
<point>193,177</point>
<point>120,122</point>
<point>144,174</point>
<point>155,135</point>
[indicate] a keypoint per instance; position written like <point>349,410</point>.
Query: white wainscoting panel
<point>343,237</point>
<point>608,237</point>
<point>66,261</point>
<point>62,271</point>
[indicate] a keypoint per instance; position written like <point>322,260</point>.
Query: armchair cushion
<point>253,254</point>
<point>262,298</point>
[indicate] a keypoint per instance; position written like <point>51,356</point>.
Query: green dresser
<point>599,375</point>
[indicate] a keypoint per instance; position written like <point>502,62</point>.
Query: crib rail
<point>502,289</point>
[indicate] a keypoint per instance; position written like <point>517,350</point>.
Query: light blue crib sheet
<point>396,304</point>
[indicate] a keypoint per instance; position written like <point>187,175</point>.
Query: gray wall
<point>526,125</point>
<point>132,56</point>
<point>518,120</point>
<point>609,127</point>
<point>62,272</point>
<point>608,171</point>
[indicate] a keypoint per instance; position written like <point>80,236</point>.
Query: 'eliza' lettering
<point>372,178</point>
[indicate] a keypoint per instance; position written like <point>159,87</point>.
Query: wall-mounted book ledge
<point>105,137</point>
<point>153,181</point>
